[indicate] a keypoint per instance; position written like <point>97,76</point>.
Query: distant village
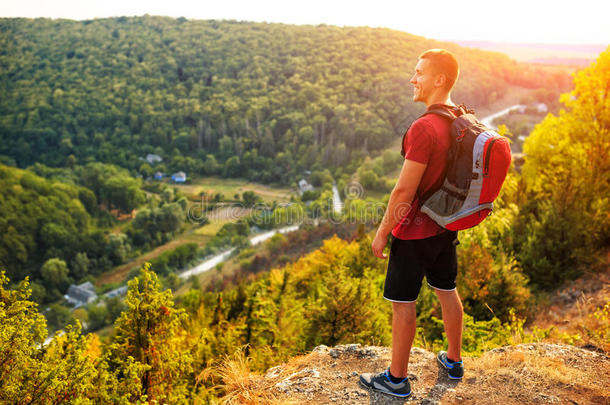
<point>152,159</point>
<point>83,294</point>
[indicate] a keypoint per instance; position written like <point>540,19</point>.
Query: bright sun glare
<point>544,21</point>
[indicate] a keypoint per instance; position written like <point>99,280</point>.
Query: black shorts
<point>411,260</point>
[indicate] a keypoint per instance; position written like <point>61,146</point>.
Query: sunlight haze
<point>568,22</point>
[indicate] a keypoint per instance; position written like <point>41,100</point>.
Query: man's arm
<point>400,202</point>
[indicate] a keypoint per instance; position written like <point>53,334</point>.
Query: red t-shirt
<point>427,141</point>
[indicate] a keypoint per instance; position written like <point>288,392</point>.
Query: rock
<point>320,349</point>
<point>301,381</point>
<point>547,399</point>
<point>274,372</point>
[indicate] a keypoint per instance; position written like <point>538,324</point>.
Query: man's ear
<point>440,80</point>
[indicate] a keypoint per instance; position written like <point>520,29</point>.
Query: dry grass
<point>538,369</point>
<point>120,273</point>
<point>580,313</point>
<point>237,383</point>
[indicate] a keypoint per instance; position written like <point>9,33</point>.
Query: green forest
<point>84,101</point>
<point>261,101</point>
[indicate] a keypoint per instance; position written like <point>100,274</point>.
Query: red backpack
<point>478,162</point>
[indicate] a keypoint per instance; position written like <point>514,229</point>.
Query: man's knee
<point>449,295</point>
<point>403,309</point>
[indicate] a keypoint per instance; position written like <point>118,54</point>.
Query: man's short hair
<point>443,62</point>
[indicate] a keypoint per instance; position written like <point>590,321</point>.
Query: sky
<point>515,21</point>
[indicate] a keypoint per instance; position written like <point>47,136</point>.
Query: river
<point>211,262</point>
<point>487,121</point>
<point>337,203</point>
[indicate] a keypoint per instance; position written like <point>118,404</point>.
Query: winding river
<point>211,262</point>
<point>487,121</point>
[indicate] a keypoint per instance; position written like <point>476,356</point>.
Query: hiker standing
<point>420,247</point>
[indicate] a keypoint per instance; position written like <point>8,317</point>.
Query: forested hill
<point>262,101</point>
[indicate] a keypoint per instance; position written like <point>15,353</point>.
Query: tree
<point>148,332</point>
<point>250,198</point>
<point>211,166</point>
<point>170,217</point>
<point>80,265</point>
<point>87,197</point>
<point>146,170</point>
<point>98,317</point>
<point>118,248</point>
<point>31,373</point>
<point>232,167</point>
<point>58,316</point>
<point>343,312</point>
<point>115,306</point>
<point>566,177</point>
<point>54,272</point>
<point>167,195</point>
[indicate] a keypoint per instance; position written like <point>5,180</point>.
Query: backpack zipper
<point>488,156</point>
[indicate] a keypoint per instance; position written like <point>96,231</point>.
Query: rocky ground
<point>538,373</point>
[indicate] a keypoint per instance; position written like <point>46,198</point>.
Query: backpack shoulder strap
<point>442,112</point>
<point>450,113</point>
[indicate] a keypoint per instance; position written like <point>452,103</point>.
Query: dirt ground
<point>538,373</point>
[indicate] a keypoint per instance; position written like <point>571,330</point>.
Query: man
<point>419,246</point>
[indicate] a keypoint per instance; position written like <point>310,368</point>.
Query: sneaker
<point>455,369</point>
<point>381,382</point>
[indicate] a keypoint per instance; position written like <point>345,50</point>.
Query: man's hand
<point>379,244</point>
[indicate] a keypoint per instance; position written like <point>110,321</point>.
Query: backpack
<point>477,164</point>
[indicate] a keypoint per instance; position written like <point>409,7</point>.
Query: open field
<point>120,273</point>
<point>230,187</point>
<point>193,232</point>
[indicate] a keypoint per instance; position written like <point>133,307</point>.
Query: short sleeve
<point>419,142</point>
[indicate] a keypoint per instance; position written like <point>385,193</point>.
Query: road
<point>337,203</point>
<point>487,121</point>
<point>211,263</point>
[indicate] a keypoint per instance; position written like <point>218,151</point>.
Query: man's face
<point>422,81</point>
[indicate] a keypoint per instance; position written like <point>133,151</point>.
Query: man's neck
<point>445,99</point>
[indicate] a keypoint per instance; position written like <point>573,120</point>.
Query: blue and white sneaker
<point>455,369</point>
<point>381,382</point>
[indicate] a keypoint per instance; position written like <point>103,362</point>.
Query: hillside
<point>523,374</point>
<point>261,101</point>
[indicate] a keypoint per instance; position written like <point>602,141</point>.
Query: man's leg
<point>452,319</point>
<point>403,333</point>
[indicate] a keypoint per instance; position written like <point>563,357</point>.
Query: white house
<point>82,294</point>
<point>304,186</point>
<point>152,158</point>
<point>542,108</point>
<point>117,292</point>
<point>179,177</point>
